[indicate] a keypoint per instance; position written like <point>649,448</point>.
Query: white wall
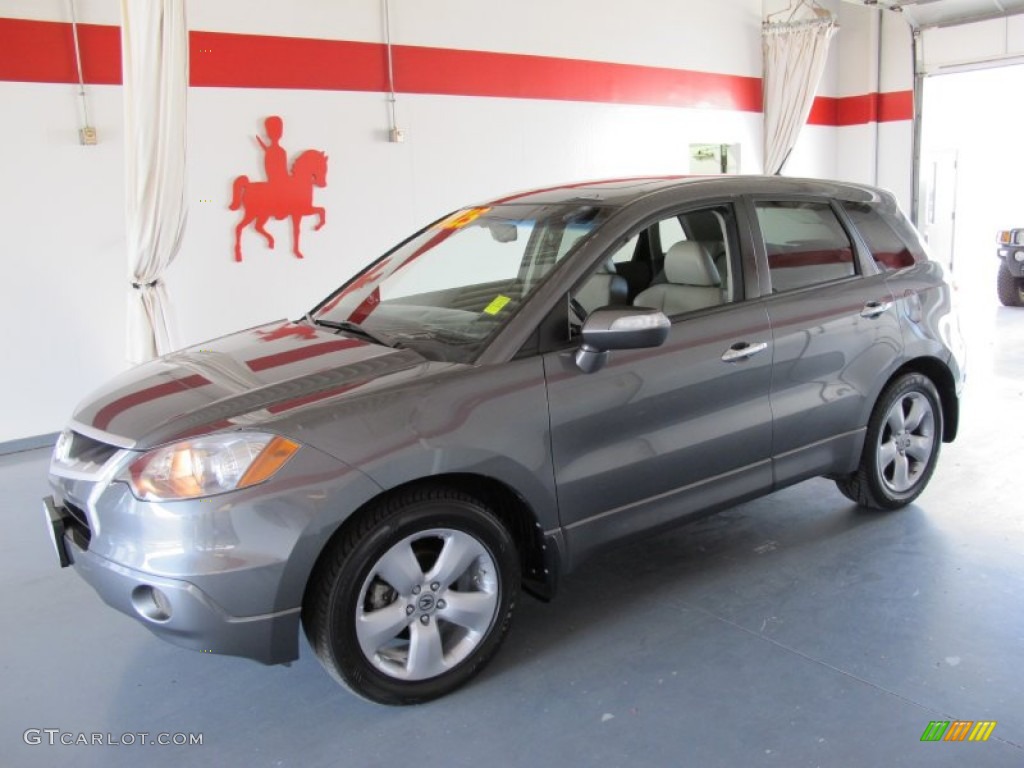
<point>64,300</point>
<point>63,303</point>
<point>62,297</point>
<point>459,150</point>
<point>876,55</point>
<point>896,139</point>
<point>858,41</point>
<point>871,54</point>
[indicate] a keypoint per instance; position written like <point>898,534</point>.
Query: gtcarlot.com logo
<point>958,730</point>
<point>55,736</point>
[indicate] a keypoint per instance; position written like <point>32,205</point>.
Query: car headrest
<point>607,267</point>
<point>687,263</point>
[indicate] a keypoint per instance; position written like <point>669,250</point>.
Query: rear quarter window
<point>889,249</point>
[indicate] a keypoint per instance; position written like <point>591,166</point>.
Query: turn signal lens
<point>269,460</point>
<point>208,465</point>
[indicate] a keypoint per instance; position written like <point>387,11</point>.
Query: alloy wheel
<point>427,603</point>
<point>905,443</point>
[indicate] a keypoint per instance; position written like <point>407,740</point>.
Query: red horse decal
<point>283,195</point>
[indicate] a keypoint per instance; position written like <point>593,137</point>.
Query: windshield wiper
<point>353,328</point>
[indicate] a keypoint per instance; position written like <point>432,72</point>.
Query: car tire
<point>901,446</point>
<point>414,597</point>
<point>1009,288</point>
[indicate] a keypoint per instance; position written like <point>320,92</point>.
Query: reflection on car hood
<point>245,378</point>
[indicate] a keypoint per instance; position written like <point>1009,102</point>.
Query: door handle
<point>741,350</point>
<point>875,308</point>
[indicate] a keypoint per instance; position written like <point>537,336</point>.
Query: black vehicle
<point>1010,282</point>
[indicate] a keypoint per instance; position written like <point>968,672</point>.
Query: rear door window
<point>805,244</point>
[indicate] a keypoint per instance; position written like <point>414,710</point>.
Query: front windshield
<point>447,291</point>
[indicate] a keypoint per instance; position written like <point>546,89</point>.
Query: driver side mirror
<point>610,328</point>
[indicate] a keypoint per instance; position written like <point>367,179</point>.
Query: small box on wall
<point>711,159</point>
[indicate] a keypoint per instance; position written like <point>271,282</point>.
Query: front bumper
<point>222,574</point>
<point>1008,255</point>
<point>174,609</point>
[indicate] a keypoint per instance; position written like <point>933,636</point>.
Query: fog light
<point>1018,256</point>
<point>151,603</point>
<point>1003,252</point>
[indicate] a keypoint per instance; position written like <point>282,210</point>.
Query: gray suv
<point>510,390</point>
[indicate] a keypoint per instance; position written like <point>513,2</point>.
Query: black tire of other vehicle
<point>870,486</point>
<point>339,595</point>
<point>1009,288</point>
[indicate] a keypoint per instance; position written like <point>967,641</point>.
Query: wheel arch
<point>538,554</point>
<point>940,375</point>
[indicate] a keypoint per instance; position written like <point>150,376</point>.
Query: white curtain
<point>794,59</point>
<point>154,52</point>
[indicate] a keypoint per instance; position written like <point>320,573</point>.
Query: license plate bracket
<point>56,524</point>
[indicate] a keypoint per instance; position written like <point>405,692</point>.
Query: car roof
<point>629,190</point>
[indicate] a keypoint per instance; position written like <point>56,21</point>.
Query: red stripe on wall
<point>262,61</point>
<point>895,105</point>
<point>249,61</point>
<point>42,51</point>
<point>865,108</point>
<point>824,111</point>
<point>479,73</point>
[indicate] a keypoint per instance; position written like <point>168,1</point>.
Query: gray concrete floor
<point>797,630</point>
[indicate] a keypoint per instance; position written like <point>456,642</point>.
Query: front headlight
<point>208,465</point>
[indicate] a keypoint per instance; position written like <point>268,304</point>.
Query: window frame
<point>863,261</point>
<point>657,251</point>
<point>545,338</point>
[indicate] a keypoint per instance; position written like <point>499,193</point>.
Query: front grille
<point>79,456</point>
<point>78,524</point>
<point>85,450</point>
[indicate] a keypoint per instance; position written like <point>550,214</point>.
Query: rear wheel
<point>901,446</point>
<point>414,599</point>
<point>1009,288</point>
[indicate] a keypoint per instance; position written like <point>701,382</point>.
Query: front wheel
<point>414,598</point>
<point>901,447</point>
<point>1009,288</point>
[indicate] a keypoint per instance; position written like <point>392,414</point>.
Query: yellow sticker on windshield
<point>497,305</point>
<point>461,218</point>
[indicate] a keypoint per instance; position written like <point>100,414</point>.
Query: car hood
<point>243,379</point>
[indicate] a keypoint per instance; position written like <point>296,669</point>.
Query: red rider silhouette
<point>275,159</point>
<point>283,195</point>
<point>287,331</point>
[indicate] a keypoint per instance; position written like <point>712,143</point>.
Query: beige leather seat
<point>693,281</point>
